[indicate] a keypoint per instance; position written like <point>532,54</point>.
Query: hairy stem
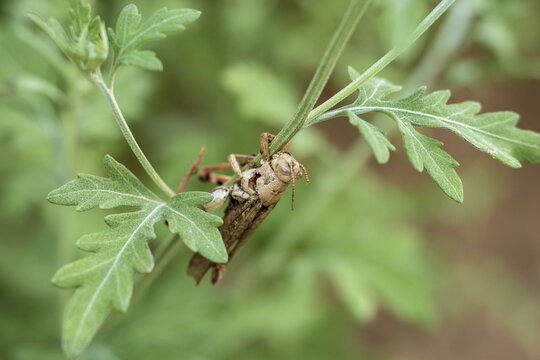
<point>379,65</point>
<point>107,92</point>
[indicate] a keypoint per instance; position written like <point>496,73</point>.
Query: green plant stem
<point>352,16</point>
<point>328,62</point>
<point>379,65</point>
<point>356,9</point>
<point>450,35</point>
<point>354,160</point>
<point>97,78</point>
<point>169,247</point>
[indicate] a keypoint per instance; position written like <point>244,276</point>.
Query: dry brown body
<point>239,222</point>
<point>252,198</point>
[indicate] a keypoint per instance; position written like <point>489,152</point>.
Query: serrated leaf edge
<point>456,193</point>
<point>112,268</point>
<point>132,7</point>
<point>152,210</point>
<point>390,110</point>
<point>378,143</point>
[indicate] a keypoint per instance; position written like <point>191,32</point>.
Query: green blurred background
<point>374,263</point>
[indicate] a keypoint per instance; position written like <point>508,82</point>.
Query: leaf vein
<point>443,119</point>
<point>140,34</point>
<point>113,266</point>
<point>194,225</point>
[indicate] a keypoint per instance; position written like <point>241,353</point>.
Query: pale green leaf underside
<point>493,133</point>
<point>143,59</point>
<point>104,280</point>
<point>425,152</point>
<point>122,188</point>
<point>374,137</point>
<point>197,228</point>
<point>128,36</point>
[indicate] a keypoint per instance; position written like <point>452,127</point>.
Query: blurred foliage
<point>307,281</point>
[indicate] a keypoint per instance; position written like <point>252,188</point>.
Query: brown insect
<point>252,197</point>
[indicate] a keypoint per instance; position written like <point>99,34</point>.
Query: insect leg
<point>235,165</point>
<point>191,171</point>
<point>207,173</point>
<point>266,139</point>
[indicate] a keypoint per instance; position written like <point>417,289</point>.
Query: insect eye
<point>285,168</point>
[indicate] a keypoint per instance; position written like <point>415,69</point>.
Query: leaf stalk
<point>107,92</point>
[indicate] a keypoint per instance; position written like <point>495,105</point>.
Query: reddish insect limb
<point>266,139</point>
<point>191,171</point>
<point>207,172</point>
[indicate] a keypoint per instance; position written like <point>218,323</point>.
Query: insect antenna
<point>293,181</point>
<point>305,172</point>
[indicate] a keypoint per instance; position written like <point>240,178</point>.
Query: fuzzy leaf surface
<point>197,228</point>
<point>104,280</point>
<point>374,137</point>
<point>122,188</point>
<point>493,133</point>
<point>426,152</point>
<point>129,36</point>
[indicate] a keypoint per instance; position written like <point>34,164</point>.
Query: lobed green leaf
<point>81,15</point>
<point>87,44</point>
<point>374,137</point>
<point>493,133</point>
<point>197,228</point>
<point>122,188</point>
<point>425,152</point>
<point>128,36</point>
<point>52,28</point>
<point>143,59</point>
<point>104,280</point>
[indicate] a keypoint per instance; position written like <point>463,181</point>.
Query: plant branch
<point>450,35</point>
<point>390,56</point>
<point>97,79</point>
<point>351,18</point>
